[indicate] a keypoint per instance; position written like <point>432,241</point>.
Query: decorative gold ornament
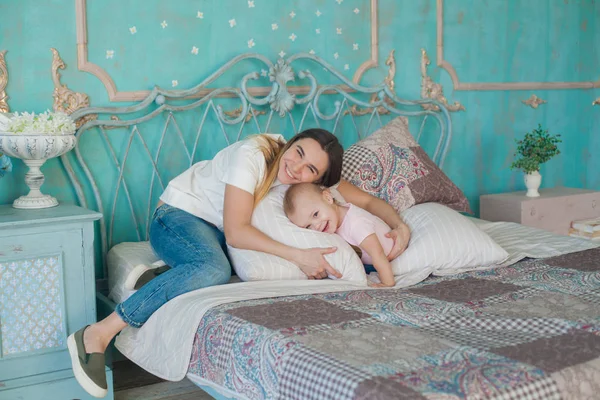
<point>3,82</point>
<point>391,63</point>
<point>432,90</point>
<point>389,81</point>
<point>238,111</point>
<point>66,100</point>
<point>533,101</point>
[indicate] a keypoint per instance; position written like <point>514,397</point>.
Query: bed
<point>526,327</point>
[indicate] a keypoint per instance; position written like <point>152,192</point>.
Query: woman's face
<point>304,161</point>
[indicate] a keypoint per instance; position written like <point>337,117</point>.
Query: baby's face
<point>315,211</point>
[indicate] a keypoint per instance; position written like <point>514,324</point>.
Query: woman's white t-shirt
<point>200,190</point>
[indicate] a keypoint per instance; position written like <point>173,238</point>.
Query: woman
<point>210,205</point>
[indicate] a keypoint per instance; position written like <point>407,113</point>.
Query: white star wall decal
<point>274,27</point>
<point>194,50</point>
<point>200,15</point>
<point>251,43</point>
<point>164,24</point>
<point>293,37</point>
<point>232,23</point>
<point>133,30</point>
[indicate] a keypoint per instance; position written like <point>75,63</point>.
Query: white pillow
<point>443,242</point>
<point>269,218</point>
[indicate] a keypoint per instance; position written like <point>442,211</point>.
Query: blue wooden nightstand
<point>47,291</point>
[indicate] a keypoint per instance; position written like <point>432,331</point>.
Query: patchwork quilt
<point>531,330</point>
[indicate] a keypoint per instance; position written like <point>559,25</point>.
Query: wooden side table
<point>554,210</point>
<point>47,291</point>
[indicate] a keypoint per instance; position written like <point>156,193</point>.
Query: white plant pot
<point>34,150</point>
<point>532,182</point>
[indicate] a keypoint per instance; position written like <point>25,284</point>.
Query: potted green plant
<point>537,147</point>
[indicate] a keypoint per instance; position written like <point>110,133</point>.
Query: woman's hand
<point>401,236</point>
<point>313,263</point>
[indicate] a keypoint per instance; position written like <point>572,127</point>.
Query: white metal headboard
<point>121,168</point>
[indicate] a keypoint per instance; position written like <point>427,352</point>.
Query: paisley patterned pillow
<point>391,165</point>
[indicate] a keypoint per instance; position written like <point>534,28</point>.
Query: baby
<point>308,206</point>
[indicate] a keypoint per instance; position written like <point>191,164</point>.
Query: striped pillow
<point>443,242</point>
<point>269,218</point>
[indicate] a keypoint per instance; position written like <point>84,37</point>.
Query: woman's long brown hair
<point>273,150</point>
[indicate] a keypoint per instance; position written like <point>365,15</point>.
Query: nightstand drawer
<point>40,299</point>
<point>554,210</point>
<point>556,214</point>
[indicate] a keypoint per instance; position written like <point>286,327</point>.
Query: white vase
<point>532,182</point>
<point>34,150</point>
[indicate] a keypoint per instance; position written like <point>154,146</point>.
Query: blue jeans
<point>196,252</point>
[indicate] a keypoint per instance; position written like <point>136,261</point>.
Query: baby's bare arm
<point>373,248</point>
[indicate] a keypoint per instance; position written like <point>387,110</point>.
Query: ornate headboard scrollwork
<point>118,185</point>
<point>3,82</point>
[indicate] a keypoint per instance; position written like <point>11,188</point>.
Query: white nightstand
<point>554,210</point>
<point>47,291</point>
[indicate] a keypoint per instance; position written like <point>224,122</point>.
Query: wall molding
<point>3,82</point>
<point>458,85</point>
<point>389,80</point>
<point>66,100</point>
<point>115,95</point>
<point>433,90</point>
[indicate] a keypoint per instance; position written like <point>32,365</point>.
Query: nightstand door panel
<point>39,303</point>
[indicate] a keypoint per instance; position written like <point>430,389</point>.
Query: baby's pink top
<point>358,224</point>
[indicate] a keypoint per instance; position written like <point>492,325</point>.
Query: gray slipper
<point>87,368</point>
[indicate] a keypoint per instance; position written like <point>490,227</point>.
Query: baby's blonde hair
<point>289,201</point>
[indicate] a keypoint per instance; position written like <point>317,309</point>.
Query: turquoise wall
<point>485,41</point>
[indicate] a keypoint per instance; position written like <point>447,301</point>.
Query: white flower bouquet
<point>46,123</point>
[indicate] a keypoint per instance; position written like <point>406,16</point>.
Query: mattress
<point>122,259</point>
